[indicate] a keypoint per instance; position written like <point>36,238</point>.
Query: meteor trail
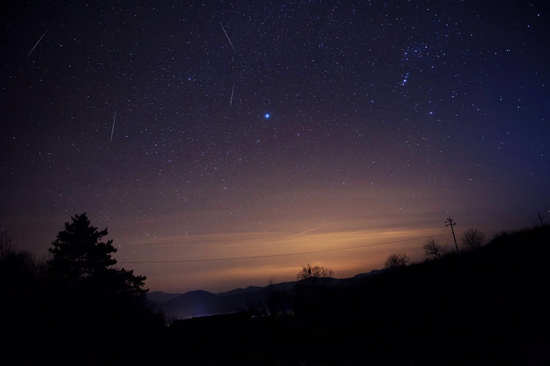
<point>231,43</point>
<point>36,44</point>
<point>308,231</point>
<point>113,130</point>
<point>231,100</point>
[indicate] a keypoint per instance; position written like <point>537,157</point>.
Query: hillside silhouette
<point>485,306</point>
<point>488,305</point>
<point>253,298</point>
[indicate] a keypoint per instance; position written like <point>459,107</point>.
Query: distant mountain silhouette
<point>373,272</point>
<point>159,297</point>
<point>204,303</point>
<point>240,291</point>
<point>194,303</point>
<point>486,306</point>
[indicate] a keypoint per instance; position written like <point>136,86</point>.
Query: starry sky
<point>226,143</point>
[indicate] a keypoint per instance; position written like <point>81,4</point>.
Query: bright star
<point>267,115</point>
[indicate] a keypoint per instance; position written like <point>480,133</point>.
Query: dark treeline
<point>484,306</point>
<point>75,307</point>
<point>487,305</point>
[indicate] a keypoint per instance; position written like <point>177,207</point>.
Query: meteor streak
<point>113,129</point>
<point>231,43</point>
<point>36,44</point>
<point>308,231</point>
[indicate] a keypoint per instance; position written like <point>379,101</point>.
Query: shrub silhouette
<point>433,249</point>
<point>472,239</point>
<point>397,260</point>
<point>315,277</point>
<point>311,289</point>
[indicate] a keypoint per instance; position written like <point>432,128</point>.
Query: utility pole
<point>540,218</point>
<point>451,223</point>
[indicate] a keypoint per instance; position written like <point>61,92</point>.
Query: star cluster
<point>258,128</point>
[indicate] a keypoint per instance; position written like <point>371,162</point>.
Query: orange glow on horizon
<point>277,256</point>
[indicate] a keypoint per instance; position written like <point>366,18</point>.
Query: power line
<point>278,255</point>
<point>165,241</point>
<point>451,223</point>
<point>540,218</point>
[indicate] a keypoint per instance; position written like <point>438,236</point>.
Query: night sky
<point>266,128</point>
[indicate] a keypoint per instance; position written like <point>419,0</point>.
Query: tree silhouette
<point>312,289</point>
<point>76,308</point>
<point>397,260</point>
<point>433,249</point>
<point>5,241</point>
<point>82,259</point>
<point>472,238</point>
<point>315,277</point>
<point>18,268</point>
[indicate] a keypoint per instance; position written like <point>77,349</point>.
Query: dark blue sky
<point>384,117</point>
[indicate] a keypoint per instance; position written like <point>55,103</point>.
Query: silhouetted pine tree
<point>84,261</point>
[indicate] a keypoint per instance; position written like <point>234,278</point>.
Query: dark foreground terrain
<point>484,307</point>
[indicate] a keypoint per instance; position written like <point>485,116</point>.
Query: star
<point>365,115</point>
